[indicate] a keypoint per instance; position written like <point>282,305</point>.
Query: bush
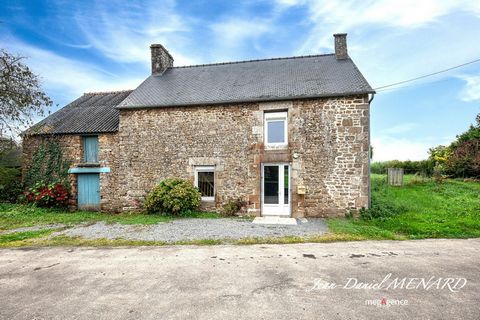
<point>173,196</point>
<point>10,184</point>
<point>48,195</point>
<point>232,207</point>
<point>381,209</point>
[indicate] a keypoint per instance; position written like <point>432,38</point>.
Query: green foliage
<point>48,195</point>
<point>21,96</point>
<point>462,157</point>
<point>464,161</point>
<point>173,196</point>
<point>10,153</point>
<point>19,236</point>
<point>231,208</point>
<point>10,184</point>
<point>381,209</point>
<point>48,165</point>
<point>419,210</point>
<point>424,167</point>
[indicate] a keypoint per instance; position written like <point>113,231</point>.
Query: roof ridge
<point>253,60</point>
<point>106,92</point>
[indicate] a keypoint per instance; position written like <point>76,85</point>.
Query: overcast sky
<point>85,46</point>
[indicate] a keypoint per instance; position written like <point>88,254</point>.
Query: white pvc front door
<point>275,190</point>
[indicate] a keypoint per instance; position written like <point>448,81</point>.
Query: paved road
<point>233,282</point>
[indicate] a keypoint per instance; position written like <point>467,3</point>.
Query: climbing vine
<point>48,165</point>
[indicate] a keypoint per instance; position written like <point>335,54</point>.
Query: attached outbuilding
<point>288,136</point>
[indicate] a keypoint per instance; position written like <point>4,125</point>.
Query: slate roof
<point>91,113</point>
<point>248,81</point>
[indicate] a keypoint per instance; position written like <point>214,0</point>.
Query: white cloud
<point>124,32</point>
<point>471,91</point>
<point>231,33</point>
<point>394,40</point>
<point>67,76</point>
<point>386,147</point>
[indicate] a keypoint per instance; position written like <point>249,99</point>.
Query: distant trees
<point>459,159</point>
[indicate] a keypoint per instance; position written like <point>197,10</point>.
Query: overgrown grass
<point>15,216</point>
<point>421,209</point>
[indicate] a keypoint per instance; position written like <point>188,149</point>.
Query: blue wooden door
<point>89,191</point>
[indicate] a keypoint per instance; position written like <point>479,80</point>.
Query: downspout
<point>369,153</point>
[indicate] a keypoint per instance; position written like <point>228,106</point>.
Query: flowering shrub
<point>173,196</point>
<point>48,195</point>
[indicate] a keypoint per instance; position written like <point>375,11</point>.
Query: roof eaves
<point>245,101</point>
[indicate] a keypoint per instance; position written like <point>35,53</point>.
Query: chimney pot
<point>341,51</point>
<point>161,59</point>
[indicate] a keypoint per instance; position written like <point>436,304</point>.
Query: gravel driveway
<point>195,229</point>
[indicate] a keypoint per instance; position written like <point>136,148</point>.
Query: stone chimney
<point>341,52</point>
<point>161,59</point>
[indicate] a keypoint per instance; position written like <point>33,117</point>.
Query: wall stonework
<point>329,138</point>
<point>72,147</point>
<point>328,151</point>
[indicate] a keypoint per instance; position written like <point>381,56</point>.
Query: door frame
<point>92,206</point>
<point>262,194</point>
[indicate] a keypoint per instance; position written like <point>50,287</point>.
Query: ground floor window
<point>205,181</point>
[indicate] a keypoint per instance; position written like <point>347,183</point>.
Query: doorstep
<point>275,220</point>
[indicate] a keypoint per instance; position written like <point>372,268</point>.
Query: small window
<point>205,182</point>
<point>276,129</point>
<point>90,149</point>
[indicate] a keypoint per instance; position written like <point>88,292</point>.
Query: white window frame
<point>276,116</point>
<point>206,169</point>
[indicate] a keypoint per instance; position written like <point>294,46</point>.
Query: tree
<point>462,157</point>
<point>21,96</point>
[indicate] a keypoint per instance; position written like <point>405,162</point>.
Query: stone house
<point>288,136</point>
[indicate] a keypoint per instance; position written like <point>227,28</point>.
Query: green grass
<point>429,210</point>
<point>15,216</point>
<point>420,209</point>
<point>6,239</point>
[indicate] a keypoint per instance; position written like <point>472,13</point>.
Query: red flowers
<point>48,195</point>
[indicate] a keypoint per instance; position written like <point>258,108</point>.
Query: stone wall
<point>328,151</point>
<point>72,146</point>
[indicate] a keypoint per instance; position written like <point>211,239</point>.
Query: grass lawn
<point>420,209</point>
<point>427,210</point>
<point>14,216</point>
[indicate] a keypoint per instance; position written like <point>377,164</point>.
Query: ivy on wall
<point>48,165</point>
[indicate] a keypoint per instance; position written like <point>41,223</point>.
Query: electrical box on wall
<point>301,189</point>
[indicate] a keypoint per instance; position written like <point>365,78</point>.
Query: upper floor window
<point>205,182</point>
<point>90,149</point>
<point>276,129</point>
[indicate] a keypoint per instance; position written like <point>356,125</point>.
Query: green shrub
<point>10,184</point>
<point>173,196</point>
<point>232,207</point>
<point>381,209</point>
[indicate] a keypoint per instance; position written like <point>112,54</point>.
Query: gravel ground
<point>195,229</point>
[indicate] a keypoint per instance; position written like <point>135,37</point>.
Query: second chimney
<point>161,59</point>
<point>341,52</point>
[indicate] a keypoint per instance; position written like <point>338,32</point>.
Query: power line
<point>427,75</point>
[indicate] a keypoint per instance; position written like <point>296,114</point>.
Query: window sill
<point>89,164</point>
<point>208,199</point>
<point>276,147</point>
